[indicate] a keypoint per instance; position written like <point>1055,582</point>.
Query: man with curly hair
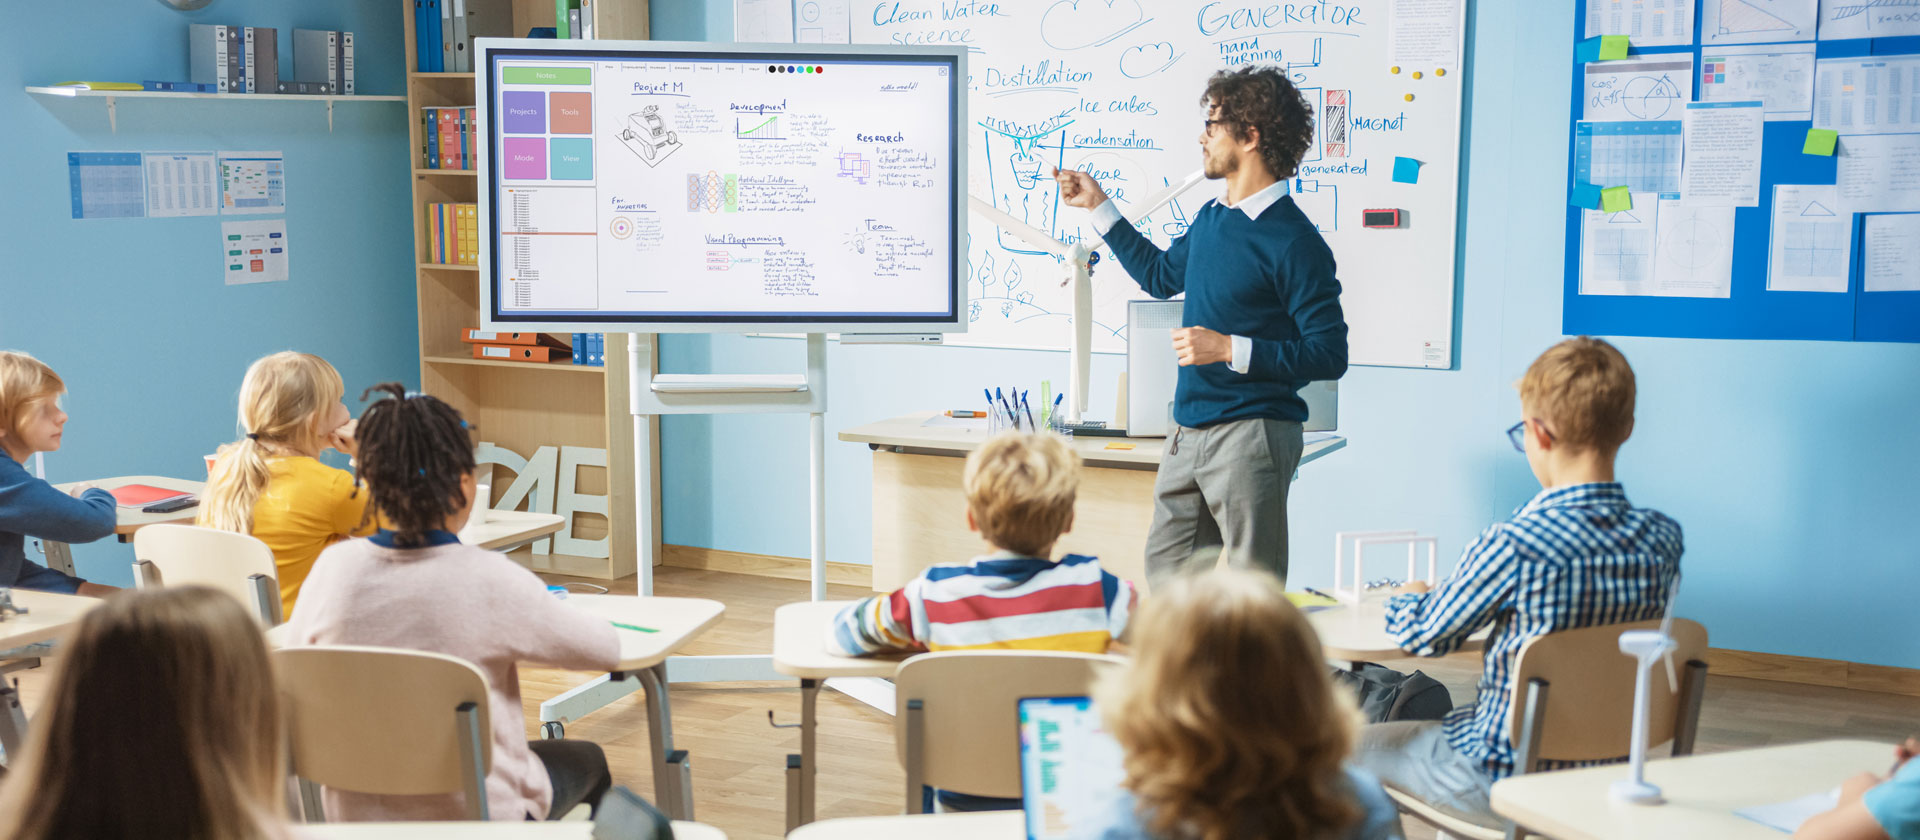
<point>1262,319</point>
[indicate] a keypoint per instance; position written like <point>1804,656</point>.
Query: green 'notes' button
<point>233,253</point>
<point>233,238</point>
<point>547,75</point>
<point>233,268</point>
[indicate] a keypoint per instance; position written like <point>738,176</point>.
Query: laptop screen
<point>1070,768</point>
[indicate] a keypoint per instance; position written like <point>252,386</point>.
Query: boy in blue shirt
<point>1577,555</point>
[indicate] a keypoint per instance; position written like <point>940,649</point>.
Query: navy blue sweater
<point>31,507</point>
<point>1270,279</point>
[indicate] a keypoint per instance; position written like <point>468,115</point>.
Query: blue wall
<point>1794,466</point>
<point>133,312</point>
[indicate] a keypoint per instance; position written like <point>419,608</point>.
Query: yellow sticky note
<point>1613,47</point>
<point>1615,199</point>
<point>1118,445</point>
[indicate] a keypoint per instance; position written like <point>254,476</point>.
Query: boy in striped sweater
<point>1020,492</point>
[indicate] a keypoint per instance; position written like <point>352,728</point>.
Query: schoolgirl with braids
<point>414,585</point>
<point>270,483</point>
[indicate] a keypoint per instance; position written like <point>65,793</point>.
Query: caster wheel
<point>553,730</point>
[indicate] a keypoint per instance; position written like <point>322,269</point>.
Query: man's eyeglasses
<point>1518,435</point>
<point>1207,127</point>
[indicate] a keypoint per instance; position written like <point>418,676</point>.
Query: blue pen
<point>1028,408</point>
<point>1007,409</point>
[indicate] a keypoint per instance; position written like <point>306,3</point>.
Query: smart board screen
<point>709,189</point>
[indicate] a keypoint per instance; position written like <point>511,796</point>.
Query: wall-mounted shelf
<point>470,173</point>
<point>113,96</point>
<point>427,266</point>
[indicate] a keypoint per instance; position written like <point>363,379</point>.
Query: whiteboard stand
<point>663,394</point>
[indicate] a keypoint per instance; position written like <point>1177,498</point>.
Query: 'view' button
<point>547,75</point>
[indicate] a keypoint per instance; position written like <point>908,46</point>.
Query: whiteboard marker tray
<point>691,383</point>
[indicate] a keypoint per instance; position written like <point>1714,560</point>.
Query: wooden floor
<point>738,758</point>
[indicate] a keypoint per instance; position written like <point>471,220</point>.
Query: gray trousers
<point>1223,487</point>
<point>1413,757</point>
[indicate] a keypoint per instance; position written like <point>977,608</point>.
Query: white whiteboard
<point>1113,86</point>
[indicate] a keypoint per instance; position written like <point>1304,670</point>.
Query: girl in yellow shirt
<point>271,484</point>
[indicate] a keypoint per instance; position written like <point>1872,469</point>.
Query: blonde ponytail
<point>281,400</point>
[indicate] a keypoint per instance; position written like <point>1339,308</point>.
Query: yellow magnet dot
<point>1394,69</point>
<point>1416,74</point>
<point>1440,71</point>
<point>1409,97</point>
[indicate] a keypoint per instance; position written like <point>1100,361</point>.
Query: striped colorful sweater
<point>999,602</point>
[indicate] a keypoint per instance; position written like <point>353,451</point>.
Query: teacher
<point>1262,319</point>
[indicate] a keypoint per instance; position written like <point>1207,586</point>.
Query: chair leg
<point>266,599</point>
<point>311,809</point>
<point>916,746</point>
<point>467,719</point>
<point>1531,723</point>
<point>1694,695</point>
<point>145,575</point>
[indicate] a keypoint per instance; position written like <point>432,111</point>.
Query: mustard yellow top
<point>307,506</point>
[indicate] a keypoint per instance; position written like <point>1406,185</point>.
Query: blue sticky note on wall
<point>1585,195</point>
<point>1406,170</point>
<point>1588,50</point>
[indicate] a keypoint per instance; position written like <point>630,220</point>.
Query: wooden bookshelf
<point>522,406</point>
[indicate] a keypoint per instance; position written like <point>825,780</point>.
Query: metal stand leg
<point>59,556</point>
<point>672,775</point>
<point>793,792</point>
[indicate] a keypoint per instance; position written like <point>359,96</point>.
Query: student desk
<point>643,656</point>
<point>799,650</point>
<point>572,830</point>
<point>1356,633</point>
<point>1702,792</point>
<point>60,557</point>
<point>49,617</point>
<point>506,530</point>
<point>919,511</point>
<point>989,825</point>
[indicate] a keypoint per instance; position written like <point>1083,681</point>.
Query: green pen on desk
<point>634,627</point>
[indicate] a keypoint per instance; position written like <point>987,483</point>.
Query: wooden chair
<point>383,720</point>
<point>1593,718</point>
<point>237,564</point>
<point>957,719</point>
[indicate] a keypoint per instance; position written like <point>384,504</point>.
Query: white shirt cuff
<point>1105,217</point>
<point>1242,354</point>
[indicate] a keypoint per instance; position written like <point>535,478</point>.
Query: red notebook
<point>141,495</point>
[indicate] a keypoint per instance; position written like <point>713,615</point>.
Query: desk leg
<point>59,556</point>
<point>672,775</point>
<point>802,769</point>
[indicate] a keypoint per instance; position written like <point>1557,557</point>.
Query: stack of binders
<point>229,59</point>
<point>322,62</point>
<point>447,138</point>
<point>453,236</point>
<point>590,349</point>
<point>515,346</point>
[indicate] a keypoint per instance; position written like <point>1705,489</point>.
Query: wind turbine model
<point>1073,262</point>
<point>1646,645</point>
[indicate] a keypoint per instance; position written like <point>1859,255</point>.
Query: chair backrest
<point>1591,682</point>
<point>965,706</point>
<point>224,560</point>
<point>384,720</point>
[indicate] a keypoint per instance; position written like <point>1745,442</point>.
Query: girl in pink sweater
<point>417,586</point>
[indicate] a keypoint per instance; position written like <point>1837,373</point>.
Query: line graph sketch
<point>1868,18</point>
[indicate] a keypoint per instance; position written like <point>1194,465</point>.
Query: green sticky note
<point>1615,199</point>
<point>1820,141</point>
<point>1613,47</point>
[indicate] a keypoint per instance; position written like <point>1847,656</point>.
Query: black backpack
<point>1385,694</point>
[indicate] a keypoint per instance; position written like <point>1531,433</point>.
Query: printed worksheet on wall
<point>1757,21</point>
<point>1616,249</point>
<point>1868,19</point>
<point>1694,254</point>
<point>1780,76</point>
<point>1879,173</point>
<point>1812,240</point>
<point>1892,253</point>
<point>1647,23</point>
<point>1628,91</point>
<point>1868,95</point>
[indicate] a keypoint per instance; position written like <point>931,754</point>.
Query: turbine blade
<point>1026,232</point>
<point>1166,196</point>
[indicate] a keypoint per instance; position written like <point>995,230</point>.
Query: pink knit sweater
<point>462,601</point>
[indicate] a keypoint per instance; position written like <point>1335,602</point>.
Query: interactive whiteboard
<point>1113,87</point>
<point>663,187</point>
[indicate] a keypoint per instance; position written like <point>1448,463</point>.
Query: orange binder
<point>521,353</point>
<point>475,335</point>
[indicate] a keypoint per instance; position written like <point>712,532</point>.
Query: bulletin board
<point>1751,311</point>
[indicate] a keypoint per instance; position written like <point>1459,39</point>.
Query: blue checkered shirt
<point>1576,556</point>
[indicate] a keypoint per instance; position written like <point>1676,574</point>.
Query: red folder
<point>141,495</point>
